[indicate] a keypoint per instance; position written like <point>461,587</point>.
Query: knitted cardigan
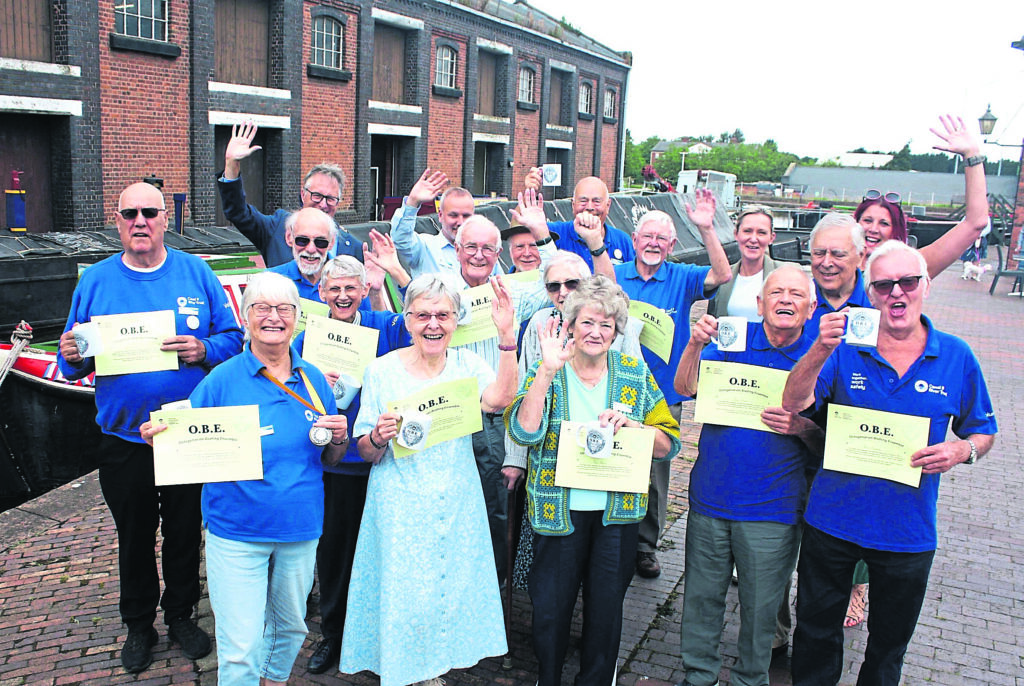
<point>632,390</point>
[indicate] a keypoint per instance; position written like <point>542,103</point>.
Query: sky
<point>820,78</point>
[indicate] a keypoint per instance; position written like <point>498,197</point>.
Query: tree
<point>749,162</point>
<point>634,163</point>
<point>900,160</point>
<point>723,137</point>
<point>737,136</point>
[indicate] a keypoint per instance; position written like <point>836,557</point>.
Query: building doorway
<point>26,143</point>
<point>488,159</point>
<point>253,170</point>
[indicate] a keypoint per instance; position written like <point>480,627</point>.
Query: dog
<point>974,271</point>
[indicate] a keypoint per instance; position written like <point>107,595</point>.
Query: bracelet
<point>374,443</point>
<point>508,348</point>
<point>544,241</point>
<point>342,443</point>
<point>974,160</point>
<point>600,251</point>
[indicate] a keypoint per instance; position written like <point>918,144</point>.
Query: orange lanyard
<point>319,407</point>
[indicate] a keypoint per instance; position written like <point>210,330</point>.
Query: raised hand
<point>502,313</point>
<point>530,212</point>
<point>382,255</point>
<point>555,347</point>
<point>589,228</point>
<point>702,213</point>
<point>239,147</point>
<point>831,329</point>
<point>534,178</point>
<point>956,137</point>
<point>704,329</point>
<point>428,187</point>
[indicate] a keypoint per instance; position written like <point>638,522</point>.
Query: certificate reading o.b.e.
<point>206,445</point>
<point>131,343</point>
<point>874,443</point>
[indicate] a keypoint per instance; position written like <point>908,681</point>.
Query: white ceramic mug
<point>732,334</point>
<point>413,431</point>
<point>346,388</point>
<point>596,440</point>
<point>862,326</point>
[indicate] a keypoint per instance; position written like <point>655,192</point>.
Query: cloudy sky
<point>818,77</point>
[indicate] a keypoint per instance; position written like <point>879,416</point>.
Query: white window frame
<point>609,103</point>
<point>131,11</point>
<point>527,80</point>
<point>327,46</point>
<point>446,62</point>
<point>586,99</point>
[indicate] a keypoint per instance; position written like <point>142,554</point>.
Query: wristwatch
<point>543,241</point>
<point>600,251</point>
<point>973,457</point>
<point>974,160</point>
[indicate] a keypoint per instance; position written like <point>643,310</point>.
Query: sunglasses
<point>555,286</point>
<point>303,241</point>
<point>889,196</point>
<point>908,284</point>
<point>130,213</point>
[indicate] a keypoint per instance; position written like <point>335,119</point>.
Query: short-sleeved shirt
<point>673,288</point>
<point>423,253</point>
<point>620,245</point>
<point>747,475</point>
<point>307,290</point>
<point>287,504</point>
<point>944,384</point>
<point>858,298</point>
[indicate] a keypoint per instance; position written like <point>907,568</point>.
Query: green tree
<point>634,163</point>
<point>738,136</point>
<point>900,160</point>
<point>750,162</point>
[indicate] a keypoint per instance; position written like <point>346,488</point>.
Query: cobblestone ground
<point>58,587</point>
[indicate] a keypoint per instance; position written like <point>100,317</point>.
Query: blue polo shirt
<point>944,384</point>
<point>620,245</point>
<point>858,298</point>
<point>307,290</point>
<point>393,335</point>
<point>673,288</point>
<point>747,475</point>
<point>287,504</point>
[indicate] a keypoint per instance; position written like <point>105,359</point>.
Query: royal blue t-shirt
<point>620,245</point>
<point>673,288</point>
<point>858,298</point>
<point>944,384</point>
<point>747,475</point>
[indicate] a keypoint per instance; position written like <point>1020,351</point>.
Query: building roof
<point>849,183</point>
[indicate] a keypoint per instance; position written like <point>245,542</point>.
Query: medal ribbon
<point>316,407</point>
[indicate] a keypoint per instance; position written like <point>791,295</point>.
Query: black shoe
<point>780,653</point>
<point>193,640</point>
<point>137,653</point>
<point>647,565</point>
<point>325,656</point>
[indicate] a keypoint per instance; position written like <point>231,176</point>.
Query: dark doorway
<point>488,159</point>
<point>26,145</point>
<point>392,158</point>
<point>253,170</point>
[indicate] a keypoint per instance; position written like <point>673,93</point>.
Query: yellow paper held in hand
<point>735,394</point>
<point>627,469</point>
<point>658,329</point>
<point>207,444</point>
<point>874,443</point>
<point>131,343</point>
<point>453,408</point>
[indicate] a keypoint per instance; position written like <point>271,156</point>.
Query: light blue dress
<point>424,594</point>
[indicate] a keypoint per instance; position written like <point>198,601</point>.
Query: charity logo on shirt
<point>922,386</point>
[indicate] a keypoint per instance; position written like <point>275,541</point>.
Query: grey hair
<point>479,219</point>
<point>272,286</point>
<point>430,286</point>
<point>331,170</point>
<point>332,227</point>
<point>455,192</point>
<point>889,247</point>
<point>344,266</point>
<point>659,217</point>
<point>789,267</point>
<point>836,220</point>
<point>602,294</point>
<point>570,259</point>
<point>750,210</point>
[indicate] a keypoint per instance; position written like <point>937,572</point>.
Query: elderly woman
<point>261,535</point>
<point>423,598</point>
<point>582,536</point>
<point>738,297</point>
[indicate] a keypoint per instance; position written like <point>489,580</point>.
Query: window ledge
<point>585,116</point>
<point>528,106</point>
<point>610,120</point>
<point>144,45</point>
<point>322,72</point>
<point>446,92</point>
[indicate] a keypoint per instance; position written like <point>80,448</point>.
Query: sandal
<point>855,610</point>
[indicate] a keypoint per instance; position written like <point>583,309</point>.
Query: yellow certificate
<point>207,444</point>
<point>453,409</point>
<point>658,329</point>
<point>734,394</point>
<point>309,308</point>
<point>874,443</point>
<point>480,326</point>
<point>524,277</point>
<point>335,346</point>
<point>131,343</point>
<point>627,469</point>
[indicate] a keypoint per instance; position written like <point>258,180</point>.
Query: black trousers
<point>489,450</point>
<point>602,559</point>
<point>344,498</point>
<point>138,508</point>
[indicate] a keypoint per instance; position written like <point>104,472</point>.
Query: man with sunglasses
<point>321,188</point>
<point>149,277</point>
<point>309,234</point>
<point>914,369</point>
<point>672,287</point>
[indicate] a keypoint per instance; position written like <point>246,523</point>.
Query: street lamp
<point>987,123</point>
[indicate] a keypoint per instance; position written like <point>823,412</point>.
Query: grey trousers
<point>657,504</point>
<point>489,450</point>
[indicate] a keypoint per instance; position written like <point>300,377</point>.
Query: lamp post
<point>987,122</point>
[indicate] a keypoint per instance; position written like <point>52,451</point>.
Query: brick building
<point>96,94</point>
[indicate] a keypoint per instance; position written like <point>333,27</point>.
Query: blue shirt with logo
<point>673,288</point>
<point>747,475</point>
<point>858,298</point>
<point>944,384</point>
<point>620,245</point>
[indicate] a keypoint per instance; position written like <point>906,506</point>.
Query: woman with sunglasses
<point>882,217</point>
<point>738,297</point>
<point>564,273</point>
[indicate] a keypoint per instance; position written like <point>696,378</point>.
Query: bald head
<point>591,195</point>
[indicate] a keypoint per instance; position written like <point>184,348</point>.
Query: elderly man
<point>672,287</point>
<point>478,245</point>
<point>837,246</point>
<point>343,286</point>
<point>309,234</point>
<point>747,491</point>
<point>588,234</point>
<point>148,277</point>
<point>321,188</point>
<point>890,525</point>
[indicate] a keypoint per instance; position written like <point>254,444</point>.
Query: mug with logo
<point>596,440</point>
<point>732,334</point>
<point>413,431</point>
<point>346,388</point>
<point>862,326</point>
<point>87,338</point>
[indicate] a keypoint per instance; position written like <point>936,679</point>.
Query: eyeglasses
<point>425,317</point>
<point>320,197</point>
<point>908,284</point>
<point>130,213</point>
<point>303,241</point>
<point>473,249</point>
<point>284,311</point>
<point>655,238</point>
<point>556,286</point>
<point>889,196</point>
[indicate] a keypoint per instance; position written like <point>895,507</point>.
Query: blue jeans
<point>898,584</point>
<point>258,593</point>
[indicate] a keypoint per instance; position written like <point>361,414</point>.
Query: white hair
<point>892,246</point>
<point>834,220</point>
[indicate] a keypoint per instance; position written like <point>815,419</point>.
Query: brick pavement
<point>59,621</point>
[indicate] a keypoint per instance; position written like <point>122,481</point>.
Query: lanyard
<point>319,406</point>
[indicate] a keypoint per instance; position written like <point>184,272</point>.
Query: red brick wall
<point>609,155</point>
<point>144,116</point>
<point>584,149</point>
<point>447,119</point>
<point>527,137</point>
<point>329,107</point>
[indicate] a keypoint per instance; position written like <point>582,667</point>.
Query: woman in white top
<point>738,298</point>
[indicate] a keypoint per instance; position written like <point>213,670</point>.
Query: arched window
<point>328,41</point>
<point>586,97</point>
<point>609,103</point>
<point>526,79</point>
<point>444,66</point>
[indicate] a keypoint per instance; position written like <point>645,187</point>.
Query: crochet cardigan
<point>632,390</point>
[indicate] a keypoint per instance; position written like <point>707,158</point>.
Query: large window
<point>586,98</point>
<point>141,18</point>
<point>444,66</point>
<point>609,103</point>
<point>526,79</point>
<point>328,42</point>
